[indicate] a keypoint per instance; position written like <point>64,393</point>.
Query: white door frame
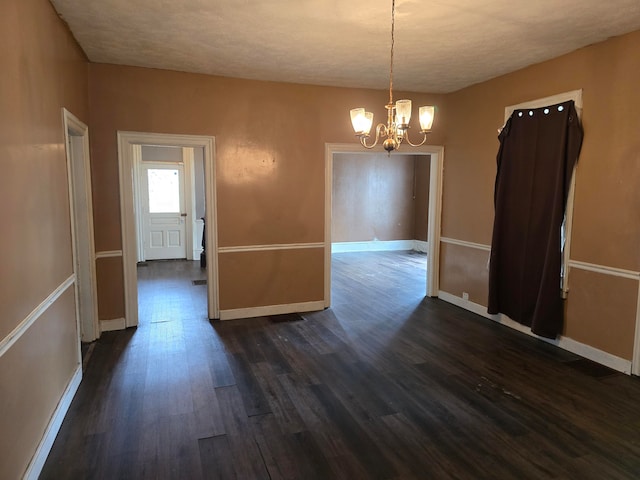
<point>435,208</point>
<point>127,142</point>
<point>76,137</point>
<point>635,361</point>
<point>188,178</point>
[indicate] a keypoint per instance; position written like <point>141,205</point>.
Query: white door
<point>163,211</point>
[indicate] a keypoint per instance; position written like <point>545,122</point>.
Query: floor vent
<point>199,282</point>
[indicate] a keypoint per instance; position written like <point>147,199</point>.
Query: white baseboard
<point>42,452</point>
<point>196,253</point>
<point>421,246</point>
<point>466,304</point>
<point>269,310</point>
<point>111,325</point>
<point>379,246</point>
<point>586,351</point>
<point>594,354</point>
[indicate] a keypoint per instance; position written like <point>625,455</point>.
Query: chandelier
<point>396,130</point>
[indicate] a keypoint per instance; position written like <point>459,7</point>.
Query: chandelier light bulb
<point>403,112</point>
<point>426,114</point>
<point>361,121</point>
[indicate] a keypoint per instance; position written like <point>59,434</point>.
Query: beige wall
<point>273,277</point>
<point>270,163</point>
<point>606,228</point>
<point>421,197</point>
<point>270,143</point>
<point>377,197</point>
<point>42,71</point>
<point>34,373</point>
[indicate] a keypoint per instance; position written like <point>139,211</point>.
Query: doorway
<point>436,154</point>
<point>163,213</point>
<point>169,197</point>
<point>76,135</point>
<point>130,146</point>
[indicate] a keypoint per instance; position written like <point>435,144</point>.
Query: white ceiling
<point>440,45</point>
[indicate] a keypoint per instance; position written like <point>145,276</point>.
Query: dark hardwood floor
<point>385,384</point>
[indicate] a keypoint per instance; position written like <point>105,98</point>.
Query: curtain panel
<point>538,151</point>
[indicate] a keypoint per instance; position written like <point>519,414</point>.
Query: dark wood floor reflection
<point>385,384</point>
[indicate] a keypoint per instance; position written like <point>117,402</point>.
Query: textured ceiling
<point>440,46</point>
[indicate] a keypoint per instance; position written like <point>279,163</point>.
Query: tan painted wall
<point>609,320</point>
<point>34,373</point>
<point>271,277</point>
<point>373,197</point>
<point>110,300</point>
<point>606,223</point>
<point>42,71</point>
<point>270,141</point>
<point>459,264</point>
<point>421,197</point>
<point>270,163</point>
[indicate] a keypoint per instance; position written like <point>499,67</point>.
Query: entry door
<point>163,210</point>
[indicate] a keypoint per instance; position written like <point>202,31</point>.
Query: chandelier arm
<point>381,129</point>
<point>363,141</point>
<point>424,140</point>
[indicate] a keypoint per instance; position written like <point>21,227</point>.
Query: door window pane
<point>164,190</point>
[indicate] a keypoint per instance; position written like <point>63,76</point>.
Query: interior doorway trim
<point>435,208</point>
<point>635,362</point>
<point>127,145</point>
<point>76,136</point>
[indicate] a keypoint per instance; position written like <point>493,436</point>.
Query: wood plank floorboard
<point>386,384</point>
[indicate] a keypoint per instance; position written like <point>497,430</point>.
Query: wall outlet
<point>465,296</point>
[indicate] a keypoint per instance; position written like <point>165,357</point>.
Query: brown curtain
<point>538,151</point>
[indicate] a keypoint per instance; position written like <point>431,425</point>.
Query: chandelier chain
<point>396,130</point>
<point>393,14</point>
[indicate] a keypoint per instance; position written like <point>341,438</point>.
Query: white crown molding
<point>23,326</point>
<point>263,248</point>
<point>617,272</point>
<point>464,243</point>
